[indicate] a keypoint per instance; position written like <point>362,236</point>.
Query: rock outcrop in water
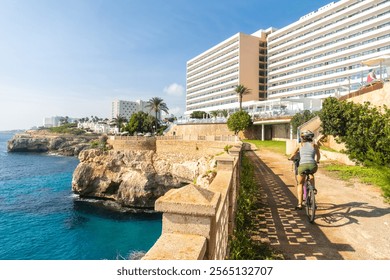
<point>134,178</point>
<point>67,145</point>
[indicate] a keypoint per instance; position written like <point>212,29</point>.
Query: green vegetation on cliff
<point>68,128</point>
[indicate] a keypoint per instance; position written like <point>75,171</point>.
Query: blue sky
<point>74,57</point>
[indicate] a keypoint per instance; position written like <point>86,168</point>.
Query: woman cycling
<point>309,156</point>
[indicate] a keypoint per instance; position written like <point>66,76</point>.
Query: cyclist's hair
<point>307,135</point>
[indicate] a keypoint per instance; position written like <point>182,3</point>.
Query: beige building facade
<point>213,75</point>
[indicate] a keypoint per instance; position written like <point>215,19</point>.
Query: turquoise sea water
<point>40,218</point>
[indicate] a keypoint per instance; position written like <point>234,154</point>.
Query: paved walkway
<point>333,236</point>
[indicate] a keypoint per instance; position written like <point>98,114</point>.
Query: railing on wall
<point>223,138</point>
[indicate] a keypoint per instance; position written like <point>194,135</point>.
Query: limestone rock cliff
<point>67,145</point>
<point>133,178</point>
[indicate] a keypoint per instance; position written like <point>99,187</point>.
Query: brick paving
<point>278,224</point>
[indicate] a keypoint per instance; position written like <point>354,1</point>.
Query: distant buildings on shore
<point>57,121</point>
<point>101,126</point>
<point>124,109</point>
<point>120,108</point>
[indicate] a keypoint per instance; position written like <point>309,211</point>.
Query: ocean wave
<point>74,196</point>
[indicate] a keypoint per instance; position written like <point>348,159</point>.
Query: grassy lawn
<point>275,146</point>
<point>377,176</point>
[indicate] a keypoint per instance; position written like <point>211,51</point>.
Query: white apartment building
<point>57,121</point>
<point>321,54</point>
<point>125,109</point>
<point>294,67</point>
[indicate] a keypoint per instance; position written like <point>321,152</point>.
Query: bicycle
<point>309,195</point>
<point>309,192</point>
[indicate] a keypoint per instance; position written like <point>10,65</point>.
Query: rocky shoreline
<point>120,180</point>
<point>45,142</point>
<point>135,179</point>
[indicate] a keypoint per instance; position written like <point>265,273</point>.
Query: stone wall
<point>203,129</point>
<point>377,97</point>
<point>197,221</point>
<point>271,132</point>
<point>192,148</point>
<point>187,147</point>
<point>377,94</point>
<point>330,142</point>
<point>132,143</point>
<point>335,156</point>
<point>281,131</point>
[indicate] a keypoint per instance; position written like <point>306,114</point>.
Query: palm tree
<point>241,90</point>
<point>118,122</point>
<point>214,114</point>
<point>156,104</point>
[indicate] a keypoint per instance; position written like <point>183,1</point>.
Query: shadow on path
<point>332,215</point>
<point>280,225</point>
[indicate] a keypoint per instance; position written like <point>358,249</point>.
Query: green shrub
<point>363,128</point>
<point>239,121</point>
<point>69,128</point>
<point>95,144</point>
<point>227,148</point>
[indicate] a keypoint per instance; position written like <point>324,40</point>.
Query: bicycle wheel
<point>310,205</point>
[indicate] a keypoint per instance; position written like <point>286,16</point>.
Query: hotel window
<point>384,48</point>
<point>329,82</point>
<point>383,37</point>
<point>369,41</point>
<point>383,14</point>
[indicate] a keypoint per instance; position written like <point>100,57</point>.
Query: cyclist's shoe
<point>298,207</point>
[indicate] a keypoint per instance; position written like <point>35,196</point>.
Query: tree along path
<point>352,220</point>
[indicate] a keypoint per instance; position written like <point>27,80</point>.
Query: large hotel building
<point>294,67</point>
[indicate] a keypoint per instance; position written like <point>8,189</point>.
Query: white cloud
<point>174,90</point>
